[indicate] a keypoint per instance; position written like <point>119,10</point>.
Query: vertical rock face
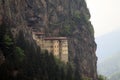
<point>2,58</point>
<point>69,18</point>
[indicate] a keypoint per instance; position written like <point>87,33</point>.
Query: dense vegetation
<point>25,61</point>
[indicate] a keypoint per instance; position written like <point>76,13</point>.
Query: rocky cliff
<point>69,18</point>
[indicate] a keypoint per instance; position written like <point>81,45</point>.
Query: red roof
<point>55,38</point>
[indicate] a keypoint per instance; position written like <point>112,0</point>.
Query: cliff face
<point>69,18</point>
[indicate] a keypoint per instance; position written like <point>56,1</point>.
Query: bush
<point>7,40</point>
<point>19,54</point>
<point>67,30</point>
<point>77,14</point>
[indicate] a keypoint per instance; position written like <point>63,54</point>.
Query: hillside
<point>111,66</point>
<point>108,44</point>
<point>115,76</point>
<point>108,52</point>
<point>55,18</point>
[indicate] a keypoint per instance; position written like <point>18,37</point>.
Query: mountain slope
<point>115,76</point>
<point>108,44</point>
<point>67,18</point>
<point>108,52</point>
<point>110,66</point>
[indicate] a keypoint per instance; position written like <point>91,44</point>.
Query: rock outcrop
<point>68,18</point>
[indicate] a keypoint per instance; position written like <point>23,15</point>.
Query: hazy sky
<point>105,15</point>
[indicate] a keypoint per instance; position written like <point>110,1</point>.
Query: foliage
<point>77,14</point>
<point>19,54</point>
<point>101,77</point>
<point>7,40</point>
<point>26,58</point>
<point>67,29</point>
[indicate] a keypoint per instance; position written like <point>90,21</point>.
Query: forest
<point>24,61</point>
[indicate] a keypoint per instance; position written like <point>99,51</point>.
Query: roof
<point>55,38</point>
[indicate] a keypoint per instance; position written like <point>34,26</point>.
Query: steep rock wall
<point>68,18</point>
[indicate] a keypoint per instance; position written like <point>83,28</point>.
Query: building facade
<point>56,45</point>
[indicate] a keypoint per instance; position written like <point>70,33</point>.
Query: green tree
<point>101,77</point>
<point>7,40</point>
<point>19,54</point>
